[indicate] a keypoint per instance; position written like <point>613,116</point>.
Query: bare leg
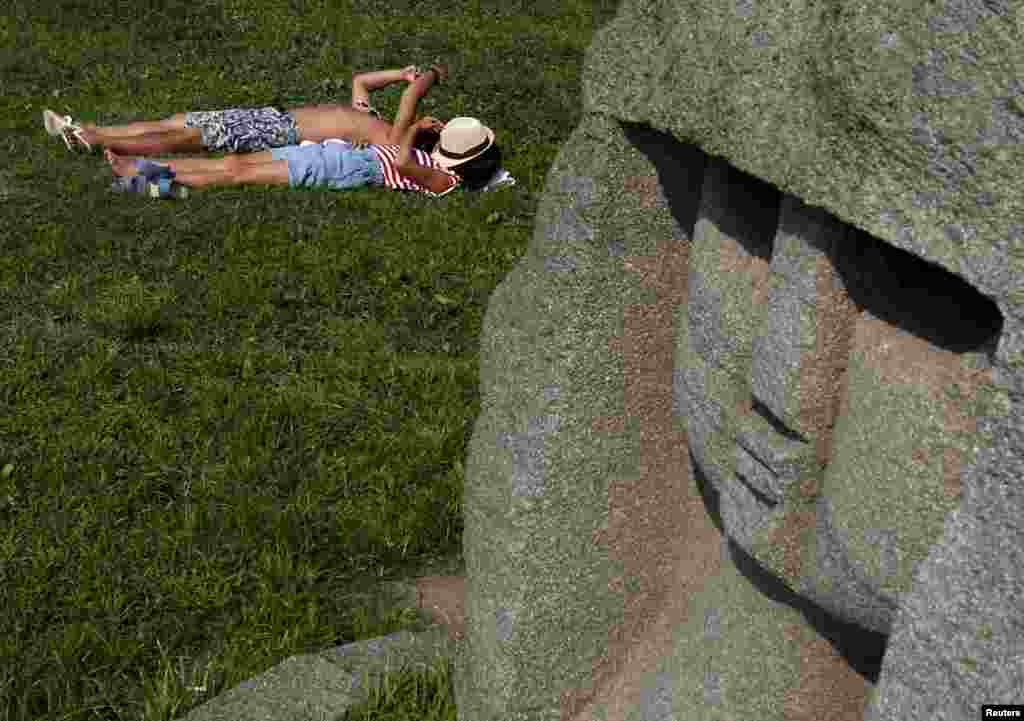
<point>253,169</point>
<point>185,140</point>
<point>204,165</point>
<point>147,137</point>
<point>175,122</point>
<point>125,164</point>
<point>274,172</point>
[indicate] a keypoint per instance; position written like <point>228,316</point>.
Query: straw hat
<point>462,139</point>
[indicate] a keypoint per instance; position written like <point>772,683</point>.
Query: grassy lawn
<point>225,421</point>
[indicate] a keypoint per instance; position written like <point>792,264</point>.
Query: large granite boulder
<point>751,440</point>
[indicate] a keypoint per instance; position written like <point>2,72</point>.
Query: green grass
<point>410,696</point>
<point>224,422</point>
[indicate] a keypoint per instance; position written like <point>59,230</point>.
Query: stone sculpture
<point>750,443</point>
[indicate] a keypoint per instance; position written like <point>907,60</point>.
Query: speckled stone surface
<point>324,685</point>
<point>750,439</point>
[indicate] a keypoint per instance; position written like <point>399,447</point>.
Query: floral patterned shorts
<point>244,130</point>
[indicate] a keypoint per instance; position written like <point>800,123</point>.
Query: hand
<point>409,73</point>
<point>440,72</point>
<point>429,123</point>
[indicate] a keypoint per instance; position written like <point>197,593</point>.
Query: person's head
<point>476,172</point>
<point>466,147</point>
<point>426,140</point>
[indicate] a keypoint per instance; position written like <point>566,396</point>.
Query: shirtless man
<point>246,130</point>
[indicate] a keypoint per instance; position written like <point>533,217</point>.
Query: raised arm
<point>431,179</point>
<point>410,99</point>
<point>364,83</point>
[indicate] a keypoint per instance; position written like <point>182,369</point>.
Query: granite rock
<point>750,443</point>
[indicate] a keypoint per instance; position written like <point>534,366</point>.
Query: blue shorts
<point>336,165</point>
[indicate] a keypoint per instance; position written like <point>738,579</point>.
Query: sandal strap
<point>77,135</point>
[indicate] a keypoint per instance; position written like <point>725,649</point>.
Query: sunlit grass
<point>225,422</point>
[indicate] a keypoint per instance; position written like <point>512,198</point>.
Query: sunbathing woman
<point>247,130</point>
<point>465,154</point>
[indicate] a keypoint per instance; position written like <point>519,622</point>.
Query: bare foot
<point>122,166</point>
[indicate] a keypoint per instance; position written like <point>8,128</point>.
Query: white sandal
<point>65,128</point>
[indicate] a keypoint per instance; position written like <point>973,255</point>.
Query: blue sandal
<point>153,170</point>
<point>163,187</point>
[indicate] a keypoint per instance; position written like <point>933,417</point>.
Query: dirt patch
<point>441,598</point>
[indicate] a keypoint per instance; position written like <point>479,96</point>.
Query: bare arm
<point>380,78</point>
<point>364,83</point>
<point>405,148</point>
<point>433,180</point>
<point>407,106</point>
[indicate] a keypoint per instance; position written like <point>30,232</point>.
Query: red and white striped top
<point>388,155</point>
